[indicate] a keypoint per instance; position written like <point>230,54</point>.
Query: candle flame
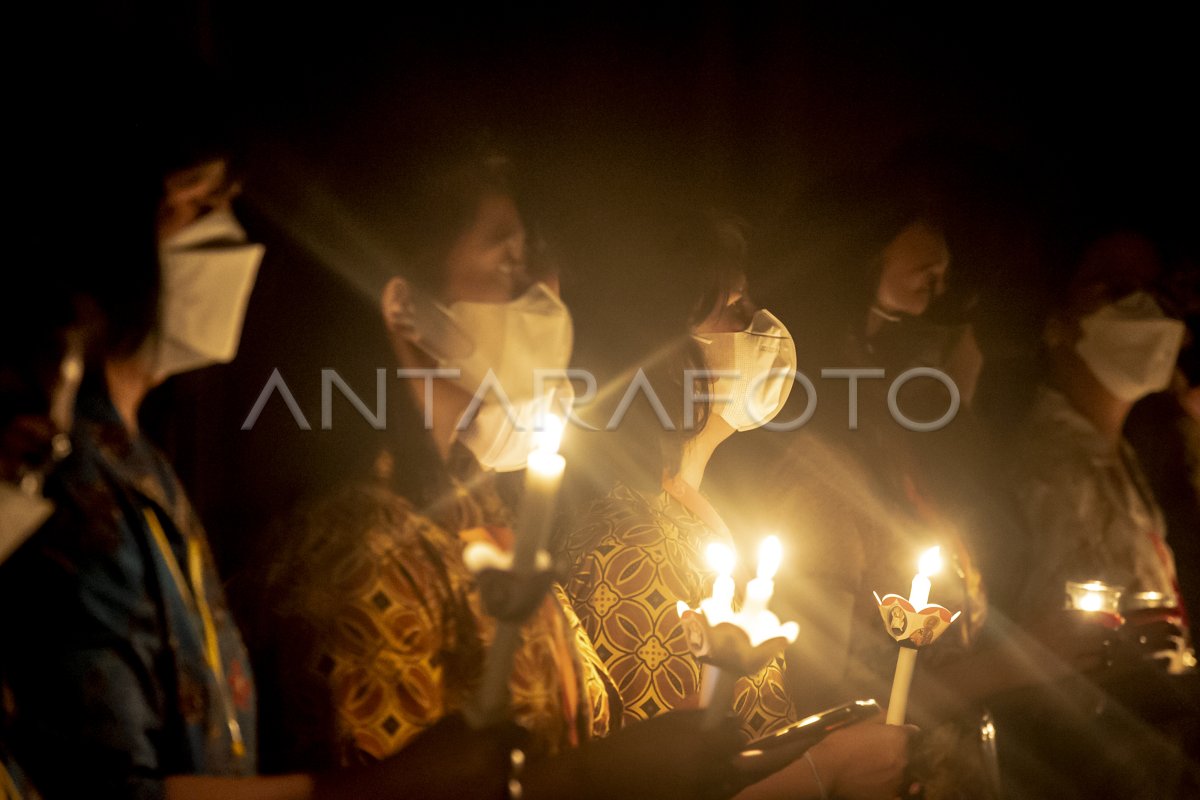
<point>548,436</point>
<point>770,555</point>
<point>720,557</point>
<point>930,563</point>
<point>1092,601</point>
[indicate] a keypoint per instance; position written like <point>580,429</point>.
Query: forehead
<point>206,175</point>
<point>1112,268</point>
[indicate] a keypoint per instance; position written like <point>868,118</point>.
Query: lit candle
<point>759,590</point>
<point>929,564</point>
<point>543,476</point>
<point>718,607</point>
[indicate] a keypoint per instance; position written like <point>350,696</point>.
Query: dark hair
<point>678,281</point>
<point>415,200</point>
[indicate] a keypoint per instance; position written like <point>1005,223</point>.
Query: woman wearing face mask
<point>132,665</point>
<point>1093,516</point>
<point>641,548</point>
<point>1108,345</point>
<point>130,679</point>
<point>374,620</point>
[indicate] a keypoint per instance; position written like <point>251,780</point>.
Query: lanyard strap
<point>196,599</point>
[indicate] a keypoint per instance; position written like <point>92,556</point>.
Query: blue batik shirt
<point>108,657</point>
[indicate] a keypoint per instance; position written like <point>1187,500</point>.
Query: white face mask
<point>1131,346</point>
<point>764,356</point>
<point>503,439</point>
<point>208,271</point>
<point>511,340</point>
<point>22,511</point>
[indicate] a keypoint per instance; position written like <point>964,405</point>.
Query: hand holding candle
<point>543,476</point>
<point>735,644</point>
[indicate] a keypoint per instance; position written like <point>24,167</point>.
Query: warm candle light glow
<point>1092,601</point>
<point>930,562</point>
<point>770,555</point>
<point>721,558</point>
<point>548,436</point>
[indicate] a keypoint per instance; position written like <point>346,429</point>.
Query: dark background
<point>617,115</point>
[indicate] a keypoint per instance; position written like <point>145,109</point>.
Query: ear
<point>396,305</point>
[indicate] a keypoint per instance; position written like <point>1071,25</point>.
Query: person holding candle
<point>372,628</point>
<point>1108,344</point>
<point>654,540</point>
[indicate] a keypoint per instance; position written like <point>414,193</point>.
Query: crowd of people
<point>348,658</point>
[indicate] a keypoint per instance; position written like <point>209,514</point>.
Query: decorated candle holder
<point>913,627</point>
<point>914,623</point>
<point>731,645</point>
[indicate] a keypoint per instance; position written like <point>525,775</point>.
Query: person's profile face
<point>189,194</point>
<point>913,271</point>
<point>487,262</point>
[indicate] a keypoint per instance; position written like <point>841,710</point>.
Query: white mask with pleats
<point>764,358</point>
<point>208,272</point>
<point>1131,346</point>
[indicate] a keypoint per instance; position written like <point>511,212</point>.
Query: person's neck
<point>699,451</point>
<point>449,404</point>
<point>1100,407</point>
<point>128,383</point>
<point>877,317</point>
<point>441,403</point>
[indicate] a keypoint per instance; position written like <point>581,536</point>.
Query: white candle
<point>719,606</point>
<point>929,564</point>
<point>543,476</point>
<point>759,590</point>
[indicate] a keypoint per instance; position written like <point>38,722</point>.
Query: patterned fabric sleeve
<point>385,676</point>
<point>625,591</point>
<point>604,701</point>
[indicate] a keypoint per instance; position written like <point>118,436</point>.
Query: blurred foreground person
<point>128,677</point>
<point>42,337</point>
<point>372,626</point>
<point>641,548</point>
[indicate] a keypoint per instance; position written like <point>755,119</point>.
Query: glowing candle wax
<point>719,607</point>
<point>929,564</point>
<point>759,590</point>
<point>543,476</point>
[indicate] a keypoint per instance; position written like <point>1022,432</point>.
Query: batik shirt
<point>1091,511</point>
<point>381,630</point>
<point>634,557</point>
<point>107,648</point>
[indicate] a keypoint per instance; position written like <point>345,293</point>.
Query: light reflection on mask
<point>511,340</point>
<point>502,439</point>
<point>208,272</point>
<point>1131,346</point>
<point>764,356</point>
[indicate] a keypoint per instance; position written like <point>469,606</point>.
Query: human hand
<point>448,761</point>
<point>865,761</point>
<point>669,756</point>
